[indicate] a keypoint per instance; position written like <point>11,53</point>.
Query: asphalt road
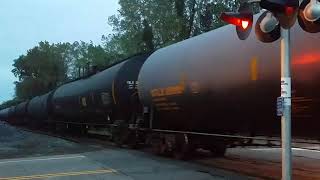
<point>110,164</point>
<point>25,155</point>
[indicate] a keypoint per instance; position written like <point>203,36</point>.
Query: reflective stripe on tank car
<point>113,92</point>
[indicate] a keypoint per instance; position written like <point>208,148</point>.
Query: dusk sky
<point>24,23</point>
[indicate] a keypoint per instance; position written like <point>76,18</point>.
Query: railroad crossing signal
<point>284,10</point>
<point>280,13</point>
<point>308,17</point>
<point>243,20</point>
<point>267,28</point>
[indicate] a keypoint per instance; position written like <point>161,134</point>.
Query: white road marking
<point>273,149</point>
<point>301,149</point>
<point>264,149</point>
<point>63,174</point>
<point>43,159</point>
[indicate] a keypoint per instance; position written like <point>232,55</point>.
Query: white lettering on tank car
<point>132,84</point>
<point>105,98</point>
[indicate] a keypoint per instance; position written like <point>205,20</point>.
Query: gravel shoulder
<point>17,143</point>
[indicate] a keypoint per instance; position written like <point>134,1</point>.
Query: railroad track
<point>69,137</point>
<point>260,168</point>
<point>265,165</point>
<point>279,146</point>
<point>268,141</point>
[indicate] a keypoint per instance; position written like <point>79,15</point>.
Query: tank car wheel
<point>183,147</point>
<point>156,146</point>
<point>121,139</point>
<point>133,140</point>
<point>160,145</point>
<point>166,148</point>
<point>120,133</point>
<point>218,150</point>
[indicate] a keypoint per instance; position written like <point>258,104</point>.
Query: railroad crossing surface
<point>107,164</point>
<point>25,155</point>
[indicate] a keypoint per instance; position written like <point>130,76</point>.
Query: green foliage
<point>47,65</point>
<point>9,103</point>
<point>39,71</point>
<point>85,55</point>
<point>145,25</point>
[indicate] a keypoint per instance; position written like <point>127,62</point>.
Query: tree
<point>39,71</point>
<point>9,103</point>
<point>83,55</point>
<point>145,25</point>
<point>46,66</point>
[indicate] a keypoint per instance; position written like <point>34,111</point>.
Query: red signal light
<point>289,10</point>
<point>243,20</point>
<point>235,19</point>
<point>284,10</point>
<point>244,24</point>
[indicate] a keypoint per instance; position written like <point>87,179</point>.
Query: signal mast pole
<point>286,94</point>
<point>287,11</point>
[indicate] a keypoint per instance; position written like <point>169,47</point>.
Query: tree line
<point>140,26</point>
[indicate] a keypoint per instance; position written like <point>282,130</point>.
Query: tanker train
<point>195,93</point>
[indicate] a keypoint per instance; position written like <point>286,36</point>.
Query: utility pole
<point>286,94</point>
